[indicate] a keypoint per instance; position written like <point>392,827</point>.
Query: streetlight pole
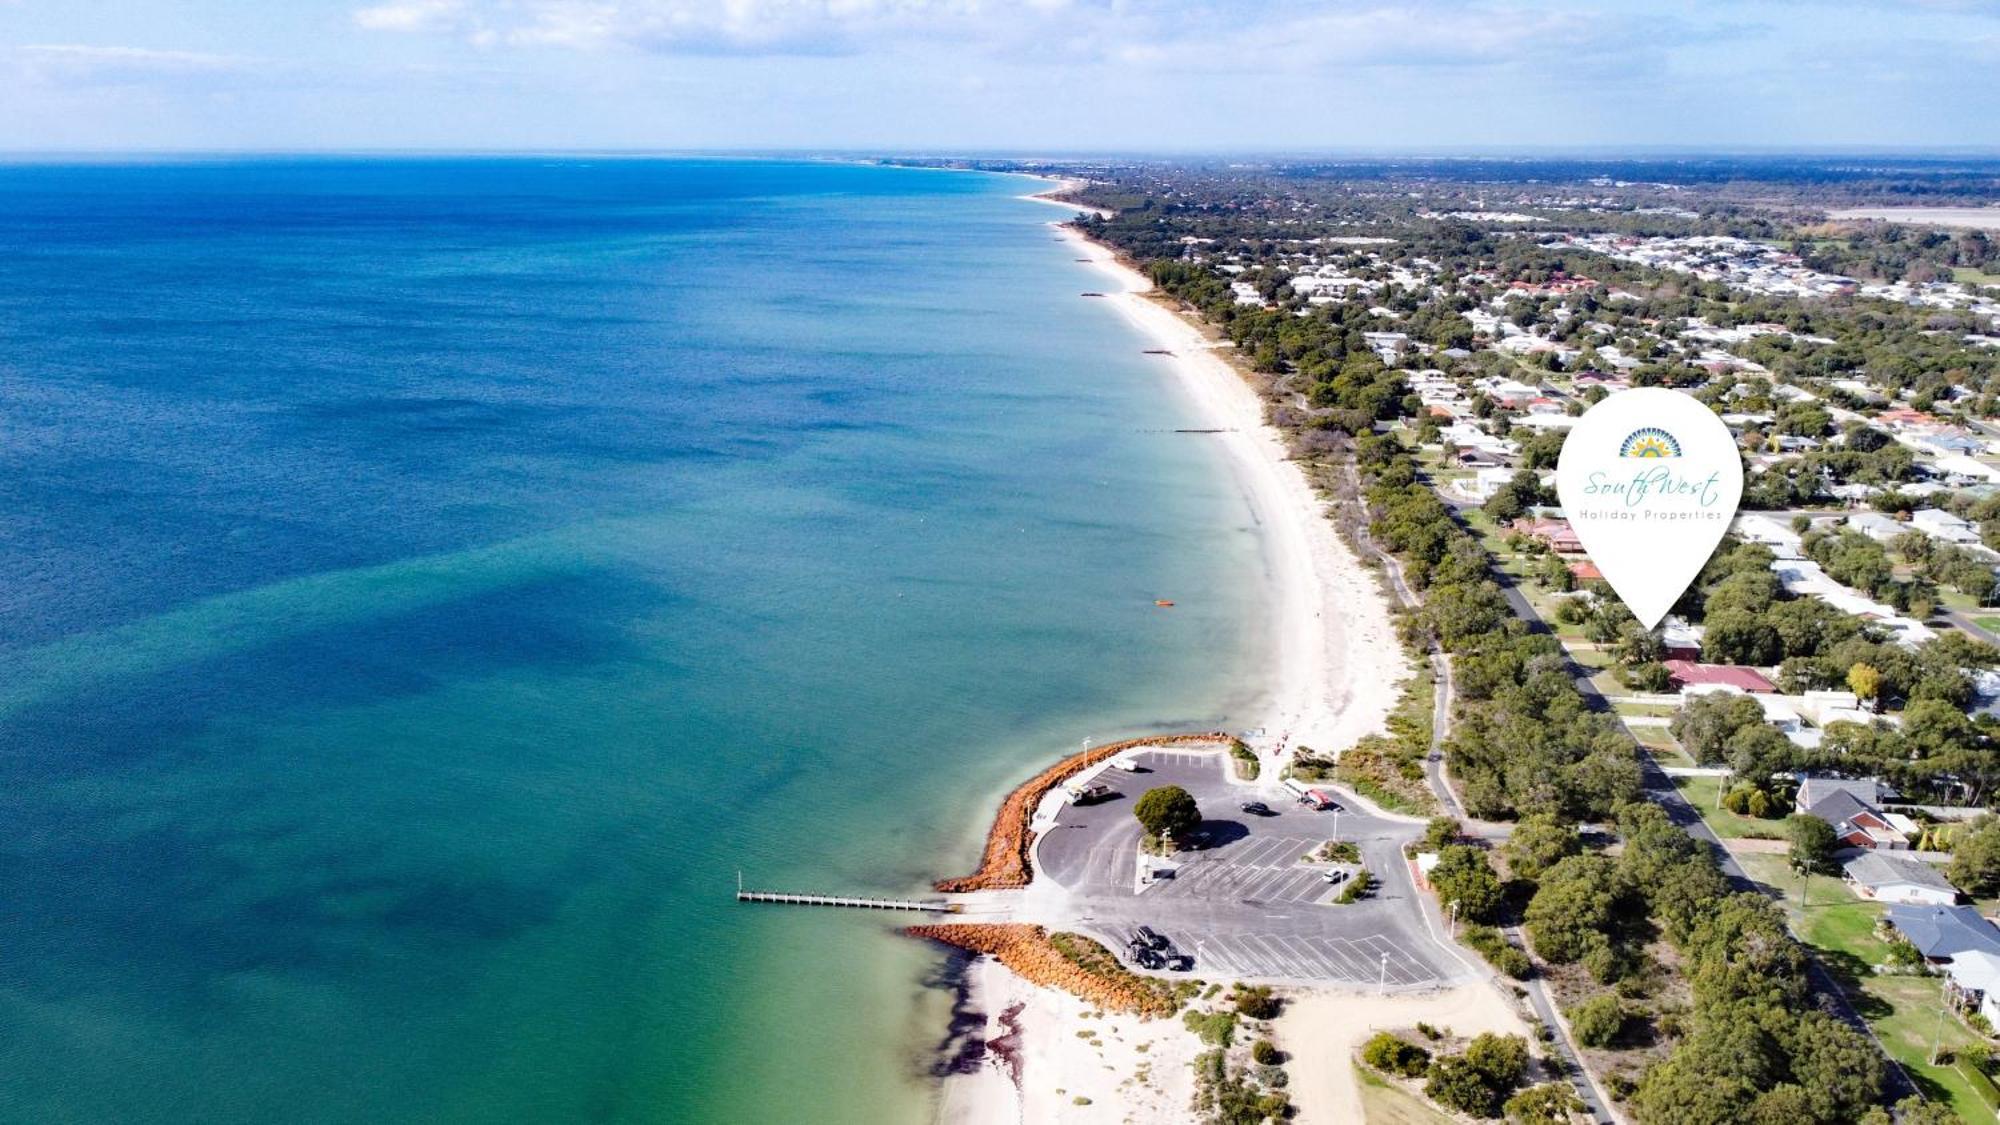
<point>1382,980</point>
<point>1454,919</point>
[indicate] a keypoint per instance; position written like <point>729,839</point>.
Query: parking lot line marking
<point>1217,952</point>
<point>1302,954</point>
<point>1304,885</point>
<point>1256,855</point>
<point>1271,955</point>
<point>1259,886</point>
<point>1344,966</point>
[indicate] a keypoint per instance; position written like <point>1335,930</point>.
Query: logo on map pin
<point>1649,480</point>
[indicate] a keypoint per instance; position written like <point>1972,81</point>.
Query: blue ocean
<point>425,584</point>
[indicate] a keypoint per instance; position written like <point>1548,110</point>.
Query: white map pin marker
<point>1649,480</point>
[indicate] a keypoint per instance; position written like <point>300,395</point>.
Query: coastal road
<point>1581,1080</point>
<point>1660,789</point>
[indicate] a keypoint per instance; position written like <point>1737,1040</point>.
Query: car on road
<point>1257,808</point>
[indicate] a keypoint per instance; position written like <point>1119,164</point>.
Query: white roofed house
<point>1940,524</point>
<point>1876,526</point>
<point>1975,982</point>
<point>1782,540</point>
<point>1894,878</point>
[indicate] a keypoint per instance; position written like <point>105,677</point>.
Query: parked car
<point>1181,963</point>
<point>1150,938</point>
<point>1337,876</point>
<point>1128,763</point>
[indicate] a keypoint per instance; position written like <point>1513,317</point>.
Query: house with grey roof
<point>1849,805</point>
<point>1898,879</point>
<point>1943,932</point>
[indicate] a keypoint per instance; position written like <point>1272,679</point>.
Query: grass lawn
<point>1989,623</point>
<point>1646,710</point>
<point>1953,600</point>
<point>1701,793</point>
<point>1971,275</point>
<point>1903,1010</point>
<point>1904,1013</point>
<point>1383,1103</point>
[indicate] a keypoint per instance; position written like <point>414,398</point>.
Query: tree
<point>1813,842</point>
<point>1503,1059</point>
<point>1463,876</point>
<point>1572,911</point>
<point>1707,723</point>
<point>1865,680</point>
<point>1598,1020</point>
<point>1538,843</point>
<point>1456,1084</point>
<point>1551,1103</point>
<point>1168,811</point>
<point>1839,1069</point>
<point>1975,857</point>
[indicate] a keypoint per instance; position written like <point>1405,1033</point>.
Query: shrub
<point>1440,831</point>
<point>1598,1020</point>
<point>1265,1053</point>
<point>1491,944</point>
<point>1256,1003</point>
<point>1458,1085</point>
<point>1217,1029</point>
<point>1552,1103</point>
<point>1357,888</point>
<point>1392,1054</point>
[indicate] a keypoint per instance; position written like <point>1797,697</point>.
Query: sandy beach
<point>1326,1028</point>
<point>1337,661</point>
<point>1053,1057</point>
<point>1336,671</point>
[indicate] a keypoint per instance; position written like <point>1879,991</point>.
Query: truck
<point>1085,793</point>
<point>1309,796</point>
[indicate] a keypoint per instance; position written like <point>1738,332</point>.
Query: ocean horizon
<point>431,582</point>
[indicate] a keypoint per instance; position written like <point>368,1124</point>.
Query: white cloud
<point>410,15</point>
<point>87,64</point>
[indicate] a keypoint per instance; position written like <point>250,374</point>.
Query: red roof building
<point>1558,534</point>
<point>1687,673</point>
<point>1585,571</point>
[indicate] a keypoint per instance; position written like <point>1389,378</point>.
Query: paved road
<point>1243,901</point>
<point>1660,789</point>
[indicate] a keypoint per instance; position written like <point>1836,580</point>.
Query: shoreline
<point>1338,664</point>
<point>1336,674</point>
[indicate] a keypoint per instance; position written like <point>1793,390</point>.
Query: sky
<point>1021,76</point>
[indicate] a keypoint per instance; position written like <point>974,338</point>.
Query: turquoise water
<point>425,584</point>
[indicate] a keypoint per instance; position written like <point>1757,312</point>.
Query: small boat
<point>1163,603</point>
<point>1093,294</point>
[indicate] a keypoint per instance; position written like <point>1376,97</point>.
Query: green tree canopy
<point>1168,811</point>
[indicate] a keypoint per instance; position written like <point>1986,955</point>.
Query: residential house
<point>1558,535</point>
<point>1688,674</point>
<point>1940,524</point>
<point>1944,933</point>
<point>1900,879</point>
<point>1850,807</point>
